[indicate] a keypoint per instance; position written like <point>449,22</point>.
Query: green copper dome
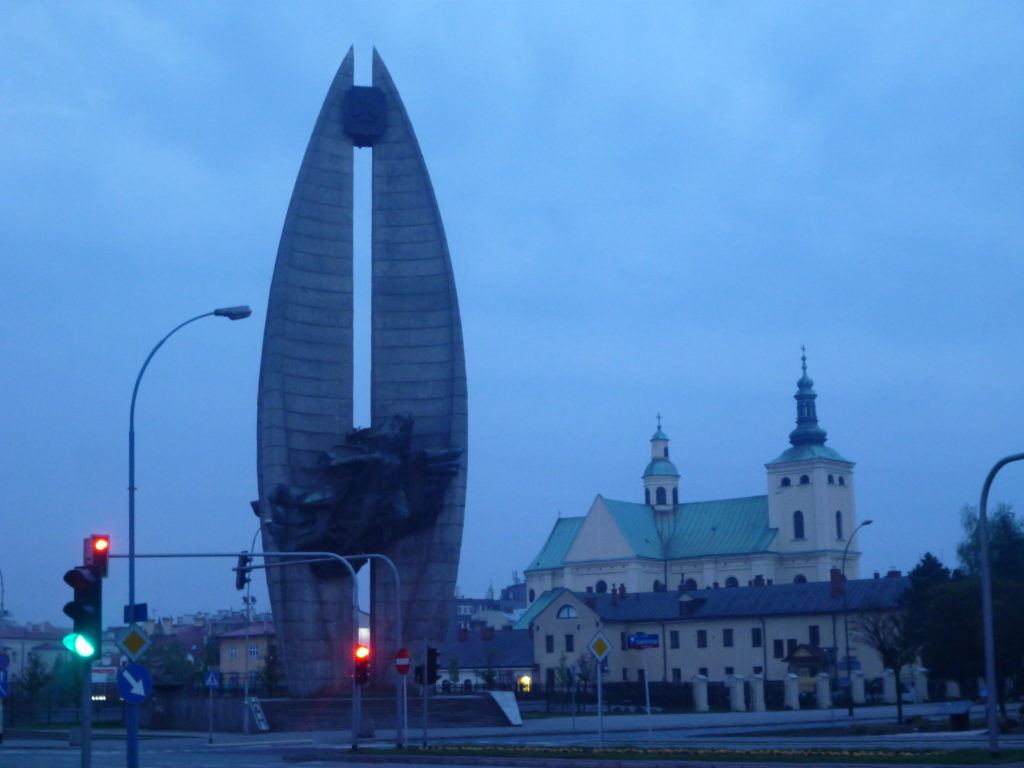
<point>659,435</point>
<point>661,468</point>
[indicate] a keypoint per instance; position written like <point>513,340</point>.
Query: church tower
<point>661,479</point>
<point>810,497</point>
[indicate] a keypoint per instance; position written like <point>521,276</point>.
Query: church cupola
<point>808,431</point>
<point>661,478</point>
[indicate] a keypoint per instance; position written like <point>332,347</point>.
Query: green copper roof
<point>661,467</point>
<point>699,528</point>
<point>659,435</point>
<point>807,453</point>
<point>542,602</point>
<point>558,543</point>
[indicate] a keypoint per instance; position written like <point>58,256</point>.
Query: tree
<point>34,678</point>
<point>270,675</point>
<point>585,671</point>
<point>888,634</point>
<point>1005,543</point>
<point>169,663</point>
<point>453,669</point>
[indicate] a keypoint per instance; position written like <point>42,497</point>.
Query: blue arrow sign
<point>212,679</point>
<point>134,683</point>
<point>5,688</point>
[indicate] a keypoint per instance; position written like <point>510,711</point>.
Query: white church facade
<point>796,532</point>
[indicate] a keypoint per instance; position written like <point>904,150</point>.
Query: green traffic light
<point>79,644</point>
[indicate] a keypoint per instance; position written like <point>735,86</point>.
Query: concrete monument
<point>397,486</point>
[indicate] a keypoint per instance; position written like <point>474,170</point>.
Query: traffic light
<point>418,672</point>
<point>361,673</point>
<point>86,611</point>
<point>97,553</point>
<point>431,665</point>
<point>242,571</point>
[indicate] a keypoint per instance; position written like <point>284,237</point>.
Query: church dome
<point>661,468</point>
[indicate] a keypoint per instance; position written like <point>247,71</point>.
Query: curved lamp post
<point>846,618</point>
<point>986,607</point>
<point>231,313</point>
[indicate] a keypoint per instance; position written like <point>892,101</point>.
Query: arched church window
<point>690,585</point>
<point>647,496</point>
<point>533,595</point>
<point>601,587</point>
<point>675,495</point>
<point>660,496</point>
<point>805,480</point>
<point>798,524</point>
<point>732,581</point>
<point>785,482</point>
<point>831,480</point>
<point>800,579</point>
<point>839,524</point>
<point>567,612</point>
<point>842,480</point>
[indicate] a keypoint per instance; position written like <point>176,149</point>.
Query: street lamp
<point>846,620</point>
<point>132,714</point>
<point>986,607</point>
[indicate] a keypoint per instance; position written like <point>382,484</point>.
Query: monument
<point>397,486</point>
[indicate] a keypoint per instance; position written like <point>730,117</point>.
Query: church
<point>795,533</point>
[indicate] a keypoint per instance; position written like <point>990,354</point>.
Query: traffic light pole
<point>86,672</point>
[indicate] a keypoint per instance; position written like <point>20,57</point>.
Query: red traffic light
<point>97,552</point>
<point>362,652</point>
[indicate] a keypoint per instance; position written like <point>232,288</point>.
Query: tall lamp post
<point>846,618</point>
<point>986,607</point>
<point>132,710</point>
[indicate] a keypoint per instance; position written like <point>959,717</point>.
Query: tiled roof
<point>506,648</point>
<point>777,600</point>
<point>558,543</point>
<point>256,628</point>
<point>536,607</point>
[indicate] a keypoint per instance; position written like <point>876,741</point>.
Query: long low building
<point>719,633</point>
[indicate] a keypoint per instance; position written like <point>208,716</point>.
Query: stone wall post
<point>823,690</point>
<point>757,693</point>
<point>792,691</point>
<point>857,687</point>
<point>737,693</point>
<point>700,693</point>
<point>921,683</point>
<point>889,686</point>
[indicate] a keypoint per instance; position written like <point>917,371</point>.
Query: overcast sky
<point>649,207</point>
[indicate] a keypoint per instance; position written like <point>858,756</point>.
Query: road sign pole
<point>209,711</point>
<point>647,695</point>
<point>600,701</point>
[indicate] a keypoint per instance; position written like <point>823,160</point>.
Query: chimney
<point>837,579</point>
<point>622,590</point>
<point>759,581</point>
<point>463,634</point>
<point>893,574</point>
<point>876,574</point>
<point>714,585</point>
<point>487,633</point>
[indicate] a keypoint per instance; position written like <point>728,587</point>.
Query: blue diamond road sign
<point>134,683</point>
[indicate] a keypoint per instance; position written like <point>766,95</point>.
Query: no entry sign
<point>402,661</point>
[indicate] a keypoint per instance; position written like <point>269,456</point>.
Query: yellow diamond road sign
<point>599,646</point>
<point>133,642</point>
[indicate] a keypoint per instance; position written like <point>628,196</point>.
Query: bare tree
<point>888,634</point>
